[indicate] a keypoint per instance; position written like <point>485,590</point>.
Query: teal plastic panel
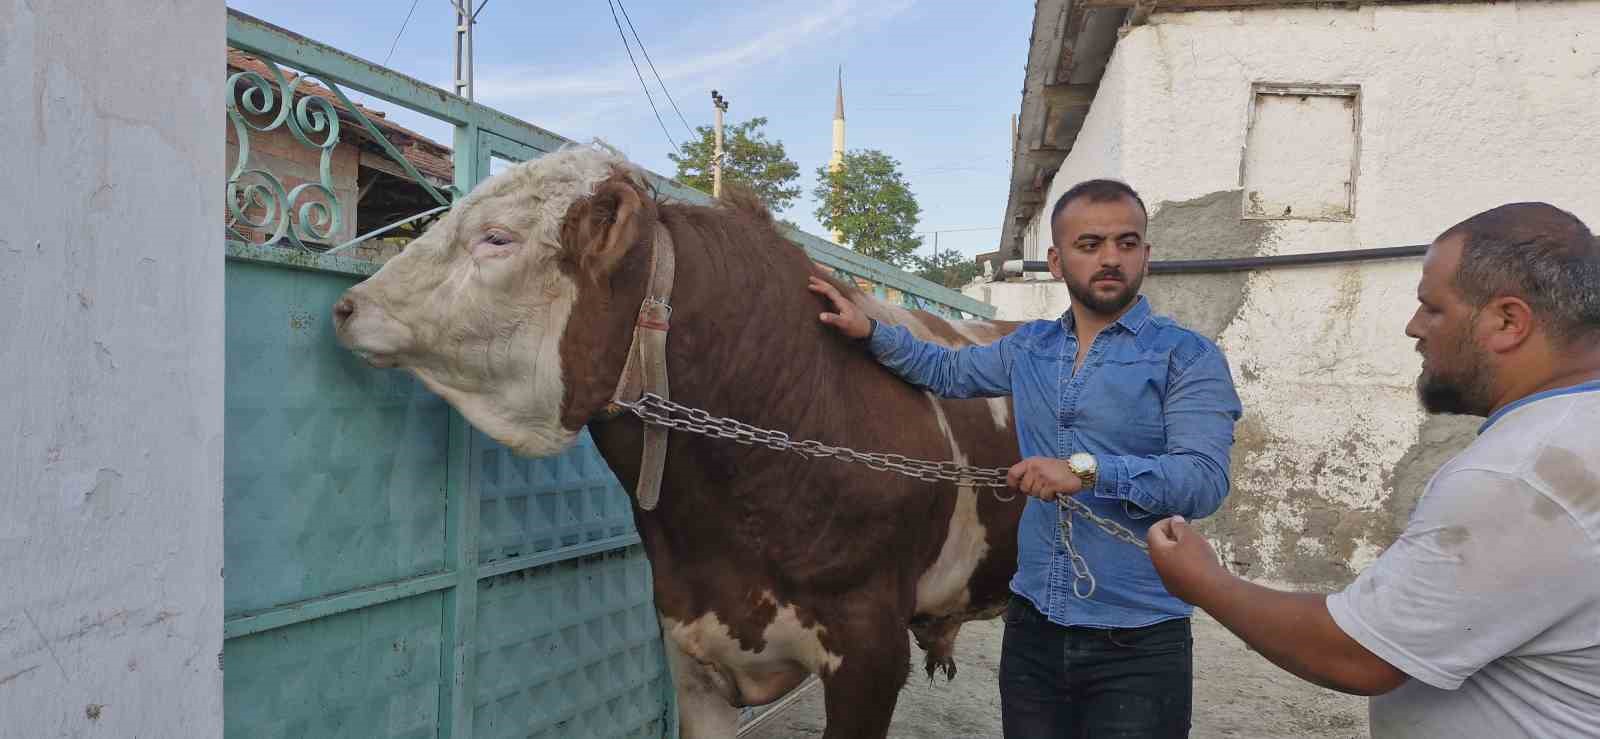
<point>530,506</point>
<point>335,473</point>
<point>572,649</point>
<point>365,674</point>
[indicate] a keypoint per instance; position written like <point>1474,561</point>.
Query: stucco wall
<point>1461,108</point>
<point>1022,300</point>
<point>111,354</point>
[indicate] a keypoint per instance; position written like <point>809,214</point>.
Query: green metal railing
<point>390,571</point>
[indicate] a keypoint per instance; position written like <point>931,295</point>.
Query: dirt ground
<point>1237,694</point>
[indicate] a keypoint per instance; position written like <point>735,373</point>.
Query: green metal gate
<point>391,572</point>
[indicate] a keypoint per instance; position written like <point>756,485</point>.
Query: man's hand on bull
<point>847,319</point>
<point>1045,478</point>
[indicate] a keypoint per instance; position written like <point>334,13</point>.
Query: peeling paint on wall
<point>1439,439</point>
<point>1207,227</point>
<point>1289,517</point>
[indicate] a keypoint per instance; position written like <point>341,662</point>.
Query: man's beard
<point>1109,304</point>
<point>1464,391</point>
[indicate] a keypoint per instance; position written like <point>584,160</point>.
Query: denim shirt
<point>1153,402</point>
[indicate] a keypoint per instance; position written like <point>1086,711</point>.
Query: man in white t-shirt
<point>1483,618</point>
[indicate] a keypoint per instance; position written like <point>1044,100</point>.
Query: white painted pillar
<point>111,368</point>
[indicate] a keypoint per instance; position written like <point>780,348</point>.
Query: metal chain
<point>658,411</point>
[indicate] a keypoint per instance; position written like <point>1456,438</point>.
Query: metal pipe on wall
<point>1016,267</point>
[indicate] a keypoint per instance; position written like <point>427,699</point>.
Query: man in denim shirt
<point>1145,410</point>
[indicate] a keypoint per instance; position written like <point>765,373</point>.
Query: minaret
<point>837,160</point>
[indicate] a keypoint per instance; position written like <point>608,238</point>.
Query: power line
<point>653,71</point>
<point>953,170</point>
<point>647,96</point>
<point>958,230</point>
<point>975,166</point>
<point>397,35</point>
<point>918,108</point>
<point>949,167</point>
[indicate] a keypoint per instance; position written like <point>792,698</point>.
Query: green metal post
<point>457,700</point>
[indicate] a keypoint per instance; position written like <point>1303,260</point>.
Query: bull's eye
<point>495,243</point>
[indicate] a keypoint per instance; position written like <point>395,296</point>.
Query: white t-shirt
<point>1490,600</point>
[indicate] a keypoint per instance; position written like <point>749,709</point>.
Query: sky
<point>932,83</point>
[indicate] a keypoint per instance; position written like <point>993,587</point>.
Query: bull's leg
<point>860,694</point>
<point>704,707</point>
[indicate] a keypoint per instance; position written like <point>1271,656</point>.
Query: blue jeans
<point>1061,682</point>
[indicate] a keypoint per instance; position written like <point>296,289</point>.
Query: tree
<point>950,268</point>
<point>752,161</point>
<point>869,202</point>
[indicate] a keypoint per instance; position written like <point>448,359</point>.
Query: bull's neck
<point>745,334</point>
<point>744,343</point>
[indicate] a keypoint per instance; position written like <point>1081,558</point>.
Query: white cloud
<point>779,36</point>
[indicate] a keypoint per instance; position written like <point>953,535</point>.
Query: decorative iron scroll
<point>257,199</point>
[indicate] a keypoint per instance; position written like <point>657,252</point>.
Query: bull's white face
<point>477,306</point>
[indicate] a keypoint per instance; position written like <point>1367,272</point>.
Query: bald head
<point>1538,253</point>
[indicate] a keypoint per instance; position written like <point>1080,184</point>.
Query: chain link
<point>658,411</point>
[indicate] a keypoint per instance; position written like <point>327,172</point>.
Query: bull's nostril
<point>343,309</point>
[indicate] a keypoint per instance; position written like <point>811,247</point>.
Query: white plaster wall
<point>1463,107</point>
<point>111,361</point>
<point>1022,300</point>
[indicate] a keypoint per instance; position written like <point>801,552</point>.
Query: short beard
<point>1084,295</point>
<point>1466,392</point>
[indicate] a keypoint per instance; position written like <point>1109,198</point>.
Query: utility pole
<point>465,18</point>
<point>720,104</point>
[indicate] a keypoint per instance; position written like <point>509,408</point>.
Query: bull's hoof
<point>935,663</point>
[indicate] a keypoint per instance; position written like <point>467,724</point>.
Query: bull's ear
<point>601,228</point>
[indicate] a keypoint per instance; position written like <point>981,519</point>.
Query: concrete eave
<point>1067,54</point>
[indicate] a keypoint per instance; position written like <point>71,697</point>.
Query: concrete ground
<point>1237,694</point>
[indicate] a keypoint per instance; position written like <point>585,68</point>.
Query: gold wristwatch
<point>1083,465</point>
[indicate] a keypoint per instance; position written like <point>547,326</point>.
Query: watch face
<point>1082,462</point>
